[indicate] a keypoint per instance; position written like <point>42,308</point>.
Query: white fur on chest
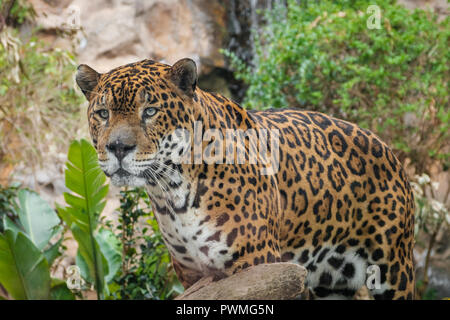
<point>188,239</point>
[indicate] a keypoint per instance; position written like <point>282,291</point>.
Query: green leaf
<point>37,218</point>
<point>24,271</point>
<point>86,180</point>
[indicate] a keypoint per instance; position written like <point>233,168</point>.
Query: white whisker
<point>166,194</point>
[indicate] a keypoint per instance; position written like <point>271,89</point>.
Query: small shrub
<point>146,271</point>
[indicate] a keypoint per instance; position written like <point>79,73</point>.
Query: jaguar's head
<point>134,111</point>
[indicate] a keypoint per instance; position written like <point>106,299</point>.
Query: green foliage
<point>430,294</point>
<point>146,271</point>
<point>98,256</point>
<point>394,80</point>
<point>26,249</point>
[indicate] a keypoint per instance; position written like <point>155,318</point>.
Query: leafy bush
<point>393,80</point>
<point>39,107</point>
<point>146,271</point>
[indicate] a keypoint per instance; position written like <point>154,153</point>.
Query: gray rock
<point>276,281</point>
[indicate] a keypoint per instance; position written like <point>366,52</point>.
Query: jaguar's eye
<point>150,112</point>
<point>103,113</point>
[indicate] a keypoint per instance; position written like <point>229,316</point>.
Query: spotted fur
<point>339,202</point>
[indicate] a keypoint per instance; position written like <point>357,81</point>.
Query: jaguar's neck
<point>215,111</point>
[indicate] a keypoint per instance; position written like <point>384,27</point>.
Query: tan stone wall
<point>116,32</point>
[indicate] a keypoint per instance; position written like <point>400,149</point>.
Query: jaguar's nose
<point>119,149</point>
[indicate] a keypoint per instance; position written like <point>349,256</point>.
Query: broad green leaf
<point>73,215</point>
<point>9,276</point>
<point>110,255</point>
<point>37,218</point>
<point>24,271</point>
<point>97,256</point>
<point>86,181</point>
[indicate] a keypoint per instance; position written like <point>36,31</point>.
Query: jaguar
<point>329,195</point>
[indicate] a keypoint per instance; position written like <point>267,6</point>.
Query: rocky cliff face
<point>115,32</point>
<point>111,33</point>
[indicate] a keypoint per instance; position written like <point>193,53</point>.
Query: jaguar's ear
<point>184,75</point>
<point>87,79</point>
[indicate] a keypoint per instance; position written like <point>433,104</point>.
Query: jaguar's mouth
<point>122,177</point>
<point>121,172</point>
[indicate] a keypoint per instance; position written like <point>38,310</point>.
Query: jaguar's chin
<point>122,178</point>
